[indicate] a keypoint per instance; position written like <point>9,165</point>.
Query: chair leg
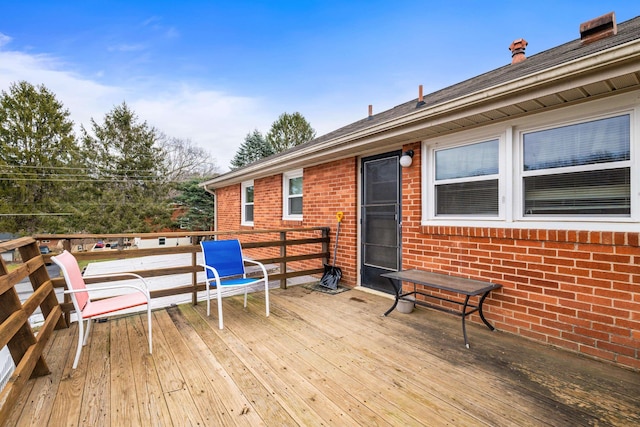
<point>220,322</point>
<point>208,285</point>
<point>86,332</point>
<point>246,288</point>
<point>80,342</point>
<point>266,295</point>
<point>149,320</point>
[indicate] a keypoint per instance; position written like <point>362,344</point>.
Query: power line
<point>41,214</point>
<point>133,179</point>
<point>43,167</point>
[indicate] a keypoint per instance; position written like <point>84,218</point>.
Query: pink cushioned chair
<point>87,309</point>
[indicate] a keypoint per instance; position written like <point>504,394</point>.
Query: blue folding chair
<point>224,267</point>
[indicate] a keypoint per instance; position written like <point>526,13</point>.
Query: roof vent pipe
<point>517,50</point>
<point>598,28</point>
<point>420,97</point>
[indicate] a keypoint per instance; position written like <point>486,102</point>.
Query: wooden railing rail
<point>315,240</point>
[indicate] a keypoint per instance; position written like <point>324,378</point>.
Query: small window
<point>162,241</point>
<point>578,170</point>
<point>466,180</point>
<point>292,195</point>
<point>247,203</point>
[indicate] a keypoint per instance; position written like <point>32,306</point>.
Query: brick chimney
<point>598,28</point>
<point>517,50</point>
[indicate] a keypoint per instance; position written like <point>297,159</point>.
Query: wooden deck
<point>319,360</point>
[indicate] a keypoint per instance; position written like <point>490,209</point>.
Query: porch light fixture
<point>406,158</point>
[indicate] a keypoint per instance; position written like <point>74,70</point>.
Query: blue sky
<point>213,71</point>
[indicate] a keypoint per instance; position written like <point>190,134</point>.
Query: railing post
<point>283,264</point>
<point>194,274</point>
<point>325,244</point>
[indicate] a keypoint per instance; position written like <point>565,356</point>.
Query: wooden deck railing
<point>296,252</point>
<point>15,331</point>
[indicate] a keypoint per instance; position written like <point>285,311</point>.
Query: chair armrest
<point>259,264</point>
<point>216,276</point>
<point>102,288</point>
<point>110,276</point>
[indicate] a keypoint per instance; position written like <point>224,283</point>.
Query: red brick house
<point>527,176</point>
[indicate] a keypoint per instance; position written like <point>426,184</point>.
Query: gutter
<point>215,205</point>
<point>575,72</point>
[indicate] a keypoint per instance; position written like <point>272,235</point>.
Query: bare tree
<point>185,161</point>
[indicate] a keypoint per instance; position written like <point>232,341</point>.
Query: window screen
<point>247,203</point>
<point>466,180</point>
<point>579,170</point>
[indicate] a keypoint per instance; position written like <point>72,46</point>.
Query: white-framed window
<point>466,179</point>
<point>578,170</point>
<point>554,170</point>
<point>292,195</point>
<point>247,203</point>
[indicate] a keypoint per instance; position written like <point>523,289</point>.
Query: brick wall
<point>330,188</point>
<point>578,290</point>
<point>327,189</point>
<point>228,208</point>
<point>574,289</point>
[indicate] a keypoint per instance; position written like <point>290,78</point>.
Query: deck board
<point>301,392</point>
<point>260,395</point>
<point>174,356</point>
<point>38,398</point>
<point>319,359</point>
<point>95,404</point>
<point>467,387</point>
<point>436,393</point>
<point>153,408</point>
<point>125,407</point>
<point>328,379</point>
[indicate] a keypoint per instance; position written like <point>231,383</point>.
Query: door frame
<point>361,195</point>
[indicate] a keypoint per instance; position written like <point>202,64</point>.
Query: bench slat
<point>461,285</point>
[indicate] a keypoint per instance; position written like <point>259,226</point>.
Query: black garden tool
<point>333,274</point>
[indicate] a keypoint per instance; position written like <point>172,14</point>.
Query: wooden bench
<point>443,282</point>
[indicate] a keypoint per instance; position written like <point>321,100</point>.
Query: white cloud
<point>172,33</point>
<point>83,98</point>
<point>213,120</point>
<point>4,39</point>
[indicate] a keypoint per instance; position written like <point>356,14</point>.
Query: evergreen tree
<point>196,205</point>
<point>288,131</point>
<point>254,147</point>
<point>39,165</point>
<point>131,191</point>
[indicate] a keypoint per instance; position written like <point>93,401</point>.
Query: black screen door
<point>381,215</point>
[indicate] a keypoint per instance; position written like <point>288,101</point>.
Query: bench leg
<point>489,325</point>
<point>398,289</point>
<point>395,303</point>
<point>464,316</point>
